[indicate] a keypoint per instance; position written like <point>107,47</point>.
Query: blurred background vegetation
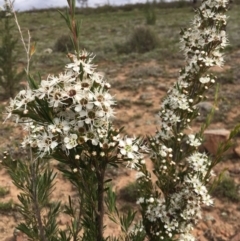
<point>116,34</point>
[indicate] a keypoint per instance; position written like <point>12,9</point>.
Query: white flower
<point>47,86</point>
<point>200,189</point>
<point>199,162</point>
<point>103,99</point>
<point>140,200</point>
<point>56,97</point>
<point>84,63</point>
<point>151,200</point>
<point>207,200</point>
<point>23,98</point>
<point>208,61</point>
<point>46,142</point>
<point>70,141</point>
<point>193,141</point>
<point>205,80</point>
<point>128,148</point>
<point>186,237</point>
<point>59,126</point>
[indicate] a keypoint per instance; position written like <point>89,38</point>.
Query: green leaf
<point>32,84</point>
<point>108,180</point>
<point>126,221</point>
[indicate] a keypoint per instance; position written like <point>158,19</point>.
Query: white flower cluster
<point>182,209</point>
<point>186,237</point>
<point>72,109</point>
<point>193,141</point>
<point>132,150</point>
<point>202,45</point>
<point>137,228</point>
<point>179,209</point>
<point>199,162</point>
<point>79,103</point>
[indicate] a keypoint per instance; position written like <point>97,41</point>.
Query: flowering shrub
<point>67,110</point>
<point>69,117</point>
<point>173,206</point>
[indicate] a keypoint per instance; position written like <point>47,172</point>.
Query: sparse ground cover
<point>139,81</point>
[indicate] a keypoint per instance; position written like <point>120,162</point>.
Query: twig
<point>37,209</point>
<point>26,48</point>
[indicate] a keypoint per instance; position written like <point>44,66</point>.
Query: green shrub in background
<point>10,77</point>
<point>6,206</point>
<point>150,13</point>
<point>4,191</point>
<point>129,193</point>
<point>227,188</point>
<point>143,39</point>
<point>63,44</point>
